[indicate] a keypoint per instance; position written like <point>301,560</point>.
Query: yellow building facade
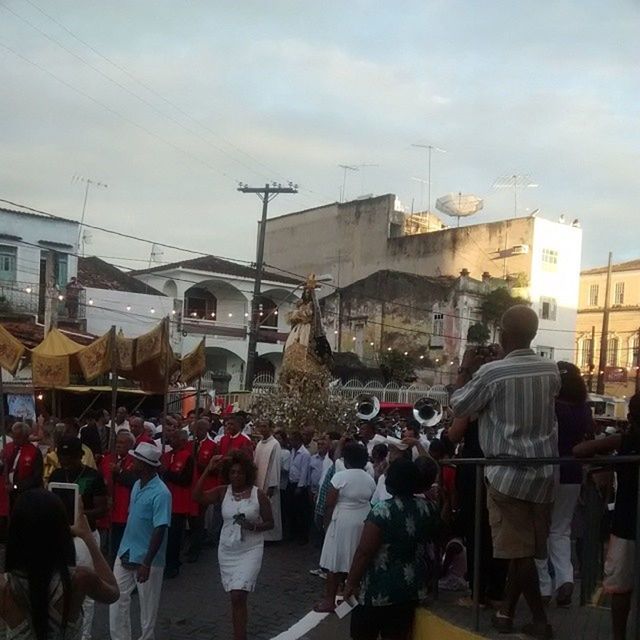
<point>624,325</point>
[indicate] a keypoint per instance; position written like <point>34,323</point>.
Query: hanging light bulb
<point>173,312</point>
<point>128,307</point>
<point>194,314</point>
<point>388,348</point>
<point>28,289</point>
<point>60,297</point>
<point>91,301</point>
<point>40,396</point>
<point>275,313</point>
<point>371,344</point>
<point>406,353</point>
<point>152,310</point>
<point>336,332</point>
<point>230,315</point>
<point>354,338</point>
<point>213,314</point>
<point>421,357</point>
<point>246,315</point>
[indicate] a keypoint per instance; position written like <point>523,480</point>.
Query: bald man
<point>514,397</point>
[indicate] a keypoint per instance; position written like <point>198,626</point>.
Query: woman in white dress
<point>347,507</point>
<point>246,515</point>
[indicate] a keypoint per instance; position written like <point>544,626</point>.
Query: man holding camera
<point>514,397</point>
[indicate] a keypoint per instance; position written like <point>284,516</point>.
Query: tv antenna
<point>429,148</point>
<point>515,181</point>
<point>88,182</point>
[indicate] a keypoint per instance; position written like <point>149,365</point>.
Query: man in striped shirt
<point>515,400</point>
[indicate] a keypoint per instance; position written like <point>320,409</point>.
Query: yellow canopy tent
<point>51,360</point>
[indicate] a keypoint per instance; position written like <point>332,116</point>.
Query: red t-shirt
<point>143,437</point>
<point>206,450</point>
<point>120,493</point>
<point>237,442</point>
<point>175,462</point>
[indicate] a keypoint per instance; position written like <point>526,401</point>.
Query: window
<point>267,313</point>
<point>585,357</point>
<point>593,295</point>
<point>618,297</point>
<point>200,303</point>
<point>549,259</point>
<point>61,268</point>
<point>612,352</point>
<point>438,324</point>
<point>8,263</point>
<point>547,308</point>
<point>634,347</point>
<point>545,352</point>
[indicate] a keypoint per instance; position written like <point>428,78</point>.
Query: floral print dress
<point>399,572</point>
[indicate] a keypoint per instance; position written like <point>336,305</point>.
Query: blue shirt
<point>316,467</point>
<point>299,470</point>
<point>150,507</point>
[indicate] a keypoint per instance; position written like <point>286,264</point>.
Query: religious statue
<point>307,351</point>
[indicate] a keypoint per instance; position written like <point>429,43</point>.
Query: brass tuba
<point>367,406</point>
<point>428,412</point>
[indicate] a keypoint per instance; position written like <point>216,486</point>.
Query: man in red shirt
<point>139,432</point>
<point>117,471</point>
<point>204,448</point>
<point>178,476</point>
<point>234,438</point>
<point>24,462</point>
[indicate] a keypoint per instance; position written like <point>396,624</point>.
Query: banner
<point>95,359</point>
<point>50,371</point>
<point>193,365</point>
<point>149,346</point>
<point>11,350</point>
<point>126,350</point>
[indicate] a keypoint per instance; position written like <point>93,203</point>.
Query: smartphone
<point>69,493</point>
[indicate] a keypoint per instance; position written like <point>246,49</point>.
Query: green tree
<point>478,333</point>
<point>396,367</point>
<point>494,305</point>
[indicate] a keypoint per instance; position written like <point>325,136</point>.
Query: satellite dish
<point>459,205</point>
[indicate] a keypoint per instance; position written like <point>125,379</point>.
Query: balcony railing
<point>217,328</point>
<point>25,298</point>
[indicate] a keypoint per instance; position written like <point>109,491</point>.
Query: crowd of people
<point>387,510</point>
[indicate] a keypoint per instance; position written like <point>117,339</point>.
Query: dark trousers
<point>116,533</point>
<point>298,505</point>
<point>174,542</point>
<point>196,534</point>
<point>493,571</point>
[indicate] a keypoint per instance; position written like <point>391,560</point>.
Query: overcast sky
<point>192,96</point>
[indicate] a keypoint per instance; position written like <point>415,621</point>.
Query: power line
<point>117,113</point>
<point>154,92</point>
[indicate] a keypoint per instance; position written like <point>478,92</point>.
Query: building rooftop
<point>96,273</point>
<point>218,265</point>
<point>631,265</point>
<point>37,214</point>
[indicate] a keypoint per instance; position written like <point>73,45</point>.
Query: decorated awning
<point>147,359</point>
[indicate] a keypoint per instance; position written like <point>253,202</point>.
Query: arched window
<point>200,303</point>
<point>267,313</point>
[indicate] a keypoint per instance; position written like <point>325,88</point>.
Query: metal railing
<point>25,298</point>
<point>599,462</point>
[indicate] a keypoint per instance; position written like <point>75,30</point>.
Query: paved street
<point>194,606</point>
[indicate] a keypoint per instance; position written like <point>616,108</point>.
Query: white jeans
<point>83,559</point>
<point>149,596</point>
<point>559,542</point>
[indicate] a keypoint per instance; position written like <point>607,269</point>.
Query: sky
<point>172,102</point>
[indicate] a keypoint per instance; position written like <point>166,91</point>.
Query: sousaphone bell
<point>428,412</point>
<point>367,407</point>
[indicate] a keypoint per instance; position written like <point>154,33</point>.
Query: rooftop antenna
<point>345,168</point>
<point>88,183</point>
<point>515,181</point>
<point>362,166</point>
<point>429,148</point>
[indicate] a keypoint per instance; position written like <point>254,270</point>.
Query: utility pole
<point>592,351</point>
<point>604,338</point>
<point>266,194</point>
<point>50,294</point>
